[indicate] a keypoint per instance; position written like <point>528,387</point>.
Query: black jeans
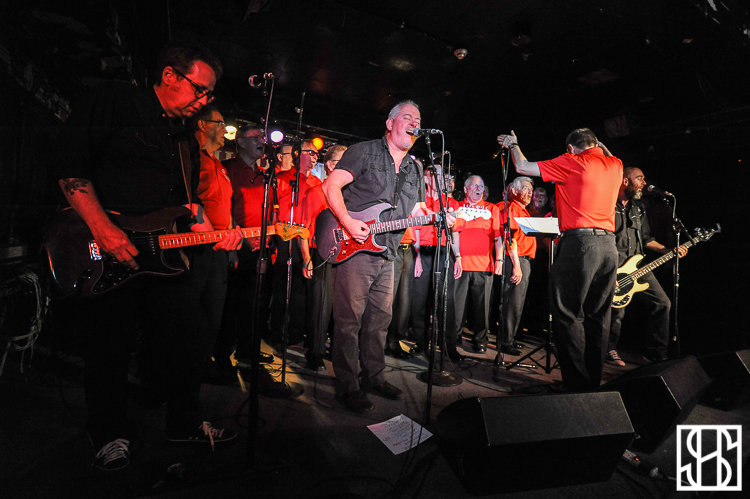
<point>582,284</point>
<point>657,320</point>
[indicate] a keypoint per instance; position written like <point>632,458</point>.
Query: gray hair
<point>516,184</point>
<point>466,182</point>
<point>397,108</point>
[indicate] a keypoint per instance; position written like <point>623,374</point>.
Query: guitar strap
<point>638,228</point>
<point>399,186</point>
<point>186,168</point>
<point>187,173</point>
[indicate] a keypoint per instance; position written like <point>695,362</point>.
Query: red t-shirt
<point>477,239</point>
<point>312,203</point>
<point>247,195</point>
<point>526,245</point>
<point>285,194</point>
<point>586,187</point>
<point>215,190</point>
<point>427,233</point>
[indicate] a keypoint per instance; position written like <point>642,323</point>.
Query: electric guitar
<point>335,245</point>
<point>77,264</point>
<point>627,275</point>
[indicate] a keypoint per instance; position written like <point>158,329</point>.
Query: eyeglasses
<point>527,190</point>
<point>313,154</point>
<point>221,123</point>
<point>259,138</point>
<point>200,91</point>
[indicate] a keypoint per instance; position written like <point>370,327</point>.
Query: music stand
<point>541,227</point>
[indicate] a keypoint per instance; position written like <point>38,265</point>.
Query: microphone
<point>654,189</point>
<point>255,80</point>
<point>422,132</point>
<point>497,152</point>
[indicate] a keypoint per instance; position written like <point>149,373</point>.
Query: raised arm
<point>523,166</point>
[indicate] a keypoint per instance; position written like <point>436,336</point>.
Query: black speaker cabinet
<point>508,444</point>
<point>660,396</point>
<point>730,379</point>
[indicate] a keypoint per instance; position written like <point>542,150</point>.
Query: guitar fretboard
<point>170,241</point>
<point>651,266</point>
<point>404,223</point>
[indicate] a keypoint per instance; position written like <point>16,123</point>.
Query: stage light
<point>230,133</point>
<point>318,143</point>
<point>277,136</point>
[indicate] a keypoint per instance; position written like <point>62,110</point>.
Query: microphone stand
<point>678,228</point>
<point>441,377</point>
<point>285,389</point>
<point>269,181</point>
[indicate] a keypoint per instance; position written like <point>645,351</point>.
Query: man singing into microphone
<point>632,235</point>
<point>377,171</point>
<point>582,279</point>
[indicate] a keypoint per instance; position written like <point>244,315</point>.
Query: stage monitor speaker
<point>730,379</point>
<point>508,444</point>
<point>660,396</point>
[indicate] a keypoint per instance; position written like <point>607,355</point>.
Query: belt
<point>526,257</point>
<point>404,246</point>
<point>588,232</point>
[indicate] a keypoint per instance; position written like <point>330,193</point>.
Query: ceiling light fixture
<point>460,53</point>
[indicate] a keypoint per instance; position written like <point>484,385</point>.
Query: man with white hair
<point>521,251</point>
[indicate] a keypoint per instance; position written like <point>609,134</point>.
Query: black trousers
<point>403,279</point>
<point>478,286</point>
<point>423,294</point>
<point>582,284</point>
<point>657,306</point>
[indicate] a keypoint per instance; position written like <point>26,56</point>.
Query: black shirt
<point>626,237</point>
<point>121,140</point>
<point>375,181</point>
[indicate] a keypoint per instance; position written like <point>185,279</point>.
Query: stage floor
<point>307,447</point>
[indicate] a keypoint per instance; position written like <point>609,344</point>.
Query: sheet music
<point>399,434</point>
<point>539,226</point>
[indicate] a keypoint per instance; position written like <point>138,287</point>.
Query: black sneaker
<point>356,401</point>
<point>510,350</point>
<point>316,363</point>
<point>205,433</point>
<point>386,390</point>
<point>113,456</point>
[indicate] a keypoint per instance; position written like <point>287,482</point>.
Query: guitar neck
<point>661,260</point>
<point>404,223</point>
<point>170,241</point>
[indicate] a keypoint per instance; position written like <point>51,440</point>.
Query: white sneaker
<point>614,359</point>
<point>113,456</point>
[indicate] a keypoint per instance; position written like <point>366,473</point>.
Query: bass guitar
<point>335,245</point>
<point>77,264</point>
<point>629,273</point>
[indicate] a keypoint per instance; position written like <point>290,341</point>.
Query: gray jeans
<point>363,298</point>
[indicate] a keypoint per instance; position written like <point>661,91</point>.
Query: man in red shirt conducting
<point>521,251</point>
<point>582,280</point>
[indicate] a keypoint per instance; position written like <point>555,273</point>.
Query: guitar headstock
<point>706,234</point>
<point>468,213</point>
<point>289,231</point>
